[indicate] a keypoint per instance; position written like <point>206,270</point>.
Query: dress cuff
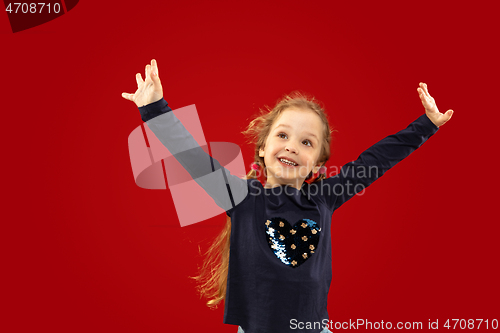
<point>427,124</point>
<point>154,109</point>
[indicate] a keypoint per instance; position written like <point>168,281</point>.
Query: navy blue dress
<point>280,256</point>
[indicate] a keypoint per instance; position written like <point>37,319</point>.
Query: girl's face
<point>296,136</point>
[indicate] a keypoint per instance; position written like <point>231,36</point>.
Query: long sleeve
<point>226,189</point>
<point>375,161</point>
<point>154,109</point>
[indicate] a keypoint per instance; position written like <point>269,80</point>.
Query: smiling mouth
<point>287,163</point>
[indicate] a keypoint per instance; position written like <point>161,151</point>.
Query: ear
<point>261,152</point>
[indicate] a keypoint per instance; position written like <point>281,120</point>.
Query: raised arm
<point>227,190</point>
<point>355,176</point>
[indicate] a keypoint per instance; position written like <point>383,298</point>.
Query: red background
<point>85,249</point>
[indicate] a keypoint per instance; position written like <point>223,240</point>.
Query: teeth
<point>287,162</point>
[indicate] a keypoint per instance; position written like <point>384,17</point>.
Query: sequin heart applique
<point>292,245</point>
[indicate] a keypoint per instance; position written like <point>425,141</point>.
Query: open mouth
<point>287,163</point>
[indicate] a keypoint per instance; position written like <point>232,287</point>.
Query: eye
<point>310,143</point>
<point>284,136</point>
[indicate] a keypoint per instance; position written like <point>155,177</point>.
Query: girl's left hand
<point>431,109</point>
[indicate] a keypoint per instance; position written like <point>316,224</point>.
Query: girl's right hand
<point>149,90</point>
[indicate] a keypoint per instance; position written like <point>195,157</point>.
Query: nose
<point>290,148</point>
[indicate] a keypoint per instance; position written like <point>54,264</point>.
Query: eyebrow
<point>288,126</point>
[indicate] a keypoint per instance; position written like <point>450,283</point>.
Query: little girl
<point>275,270</point>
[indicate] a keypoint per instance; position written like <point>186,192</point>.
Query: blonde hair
<point>212,279</point>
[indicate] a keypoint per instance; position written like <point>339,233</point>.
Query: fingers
<point>446,117</point>
<point>423,87</point>
<point>150,68</point>
<point>154,66</point>
<point>130,97</point>
<point>154,73</point>
<point>423,97</point>
<point>421,93</point>
<point>448,114</point>
<point>139,80</point>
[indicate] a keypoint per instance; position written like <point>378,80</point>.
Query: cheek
<point>272,151</point>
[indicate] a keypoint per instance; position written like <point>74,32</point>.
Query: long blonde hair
<point>212,277</point>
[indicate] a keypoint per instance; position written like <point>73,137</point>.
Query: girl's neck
<point>296,186</point>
